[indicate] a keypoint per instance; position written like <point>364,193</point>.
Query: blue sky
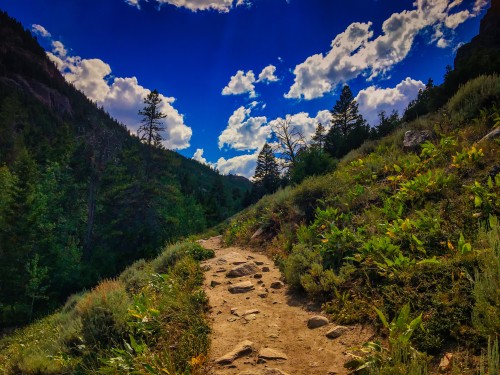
<point>228,70</point>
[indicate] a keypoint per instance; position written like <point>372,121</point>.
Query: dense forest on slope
<point>80,198</point>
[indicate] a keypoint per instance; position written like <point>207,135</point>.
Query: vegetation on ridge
<point>391,227</point>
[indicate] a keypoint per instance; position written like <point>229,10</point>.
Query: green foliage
<point>139,324</point>
<point>486,312</point>
<point>399,357</point>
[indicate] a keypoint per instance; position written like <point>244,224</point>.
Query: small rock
<point>313,364</point>
<point>446,361</point>
<point>277,285</point>
<point>206,267</point>
<point>258,262</point>
<point>231,258</point>
<point>265,269</point>
<point>232,319</point>
<point>271,354</point>
<point>220,270</point>
<point>234,311</point>
<point>214,283</point>
<point>244,348</point>
<point>253,311</point>
<point>317,321</point>
<point>250,317</point>
<point>243,287</point>
<point>243,270</point>
<point>262,295</point>
<point>257,276</point>
<point>337,332</point>
<point>260,282</point>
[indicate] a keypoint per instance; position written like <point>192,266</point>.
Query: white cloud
<point>267,74</point>
<point>241,83</point>
<point>40,30</point>
<point>244,132</point>
<point>198,156</point>
<point>373,99</point>
<point>122,98</point>
<point>134,3</point>
<point>443,43</point>
<point>59,49</point>
<point>222,6</point>
<point>243,165</point>
<point>354,51</point>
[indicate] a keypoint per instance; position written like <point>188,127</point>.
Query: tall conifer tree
<point>152,126</point>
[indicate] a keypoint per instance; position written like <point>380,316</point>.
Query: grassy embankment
<point>150,320</point>
<point>392,228</point>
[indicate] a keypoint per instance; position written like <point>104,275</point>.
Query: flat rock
<point>231,258</point>
<point>317,321</point>
<point>244,269</point>
<point>253,311</point>
<point>277,285</point>
<point>262,295</point>
<point>214,283</point>
<point>243,287</point>
<point>337,332</point>
<point>244,348</point>
<point>265,269</point>
<point>258,262</point>
<point>271,354</point>
<point>206,267</point>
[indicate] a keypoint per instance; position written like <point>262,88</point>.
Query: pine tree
<point>152,126</point>
<point>349,129</point>
<point>319,138</point>
<point>267,176</point>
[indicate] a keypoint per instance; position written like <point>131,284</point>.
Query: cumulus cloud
<point>121,97</point>
<point>241,83</point>
<point>244,132</point>
<point>373,100</point>
<point>243,165</point>
<point>222,6</point>
<point>267,74</point>
<point>355,51</point>
<point>198,156</point>
<point>40,30</point>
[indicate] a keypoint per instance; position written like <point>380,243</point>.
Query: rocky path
<point>259,328</point>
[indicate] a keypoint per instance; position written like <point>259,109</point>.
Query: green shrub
<point>473,96</point>
<point>486,311</point>
<point>299,263</point>
<point>104,314</point>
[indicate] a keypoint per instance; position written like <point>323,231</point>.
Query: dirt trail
<point>280,324</point>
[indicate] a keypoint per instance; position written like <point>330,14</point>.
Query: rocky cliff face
<point>24,66</point>
<point>487,42</point>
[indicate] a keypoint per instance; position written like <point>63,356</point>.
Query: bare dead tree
<point>289,141</point>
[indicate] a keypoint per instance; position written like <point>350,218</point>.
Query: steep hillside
<point>399,226</point>
<point>80,197</point>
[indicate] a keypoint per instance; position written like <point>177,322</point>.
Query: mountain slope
<point>80,197</point>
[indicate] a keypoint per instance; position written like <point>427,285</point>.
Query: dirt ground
<point>281,322</point>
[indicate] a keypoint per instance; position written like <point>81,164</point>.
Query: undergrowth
<point>150,320</point>
<point>393,228</point>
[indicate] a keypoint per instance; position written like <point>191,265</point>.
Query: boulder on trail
<point>414,138</point>
<point>243,287</point>
<point>271,354</point>
<point>317,321</point>
<point>277,285</point>
<point>244,269</point>
<point>337,332</point>
<point>244,348</point>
